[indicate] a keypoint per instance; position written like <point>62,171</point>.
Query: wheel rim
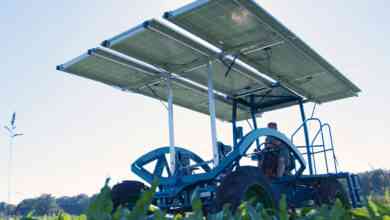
<point>257,194</point>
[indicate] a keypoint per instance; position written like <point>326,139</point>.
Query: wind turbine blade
<point>13,119</point>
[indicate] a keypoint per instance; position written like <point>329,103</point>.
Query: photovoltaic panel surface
<point>242,27</point>
<point>130,75</point>
<point>156,44</point>
<point>247,37</point>
<point>168,49</point>
<point>110,69</point>
<point>165,48</point>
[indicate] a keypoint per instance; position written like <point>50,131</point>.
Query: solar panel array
<point>243,27</point>
<point>140,60</point>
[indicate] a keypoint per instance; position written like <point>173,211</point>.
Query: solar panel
<point>154,43</point>
<point>113,70</point>
<point>130,75</point>
<point>148,42</point>
<point>160,45</point>
<point>140,59</point>
<point>242,27</point>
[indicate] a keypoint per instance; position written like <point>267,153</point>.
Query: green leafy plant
<point>101,209</point>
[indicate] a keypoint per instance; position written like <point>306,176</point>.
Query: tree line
<point>47,204</point>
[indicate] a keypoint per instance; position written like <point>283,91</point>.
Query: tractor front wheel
<point>245,184</point>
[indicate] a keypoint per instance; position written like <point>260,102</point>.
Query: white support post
<point>8,211</point>
<point>212,114</point>
<point>172,151</point>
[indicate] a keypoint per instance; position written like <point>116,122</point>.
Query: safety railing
<point>315,149</point>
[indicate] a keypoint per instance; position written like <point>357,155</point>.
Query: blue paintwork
<point>175,184</point>
<point>234,123</point>
<point>306,131</point>
<point>159,155</point>
<point>254,121</point>
<point>181,185</point>
<point>298,188</point>
<point>322,127</point>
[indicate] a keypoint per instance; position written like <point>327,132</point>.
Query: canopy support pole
<point>234,123</point>
<point>307,138</point>
<point>254,119</point>
<point>212,114</point>
<point>172,150</point>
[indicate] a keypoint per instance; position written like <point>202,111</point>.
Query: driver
<point>276,156</point>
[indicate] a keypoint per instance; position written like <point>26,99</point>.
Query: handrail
<point>322,127</point>
<point>320,131</point>
<point>301,126</point>
<point>336,163</point>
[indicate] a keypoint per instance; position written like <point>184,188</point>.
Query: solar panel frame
<point>139,61</point>
<point>95,62</point>
<point>228,77</point>
<point>223,105</point>
<point>281,36</point>
<point>154,43</point>
<point>97,59</point>
<point>156,27</point>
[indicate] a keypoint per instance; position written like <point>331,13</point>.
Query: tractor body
<point>233,61</point>
<point>195,175</point>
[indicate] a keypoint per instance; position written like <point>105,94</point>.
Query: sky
<point>78,132</point>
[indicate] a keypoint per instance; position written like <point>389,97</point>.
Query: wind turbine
<point>12,134</point>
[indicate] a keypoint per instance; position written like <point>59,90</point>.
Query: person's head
<point>273,125</point>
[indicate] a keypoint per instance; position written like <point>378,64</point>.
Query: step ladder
<point>354,187</point>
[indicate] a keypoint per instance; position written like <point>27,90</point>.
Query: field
<point>101,209</point>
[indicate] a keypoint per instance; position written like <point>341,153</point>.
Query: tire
<point>329,191</point>
<point>127,193</point>
<point>245,184</point>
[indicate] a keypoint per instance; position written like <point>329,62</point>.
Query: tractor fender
<point>138,167</point>
<point>252,136</point>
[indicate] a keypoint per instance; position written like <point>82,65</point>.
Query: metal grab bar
<point>302,125</point>
<point>313,146</point>
<point>336,163</point>
<point>319,133</point>
<point>321,151</point>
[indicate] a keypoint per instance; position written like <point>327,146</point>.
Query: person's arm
<point>272,142</point>
<point>281,166</point>
<point>282,161</point>
<point>276,142</point>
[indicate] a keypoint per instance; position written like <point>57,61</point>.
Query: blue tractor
<point>233,61</point>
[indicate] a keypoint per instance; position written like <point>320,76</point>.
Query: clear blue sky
<point>77,132</point>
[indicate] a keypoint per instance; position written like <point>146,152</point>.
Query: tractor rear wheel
<point>245,184</point>
<point>127,193</point>
<point>329,190</point>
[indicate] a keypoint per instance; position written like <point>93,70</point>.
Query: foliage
<point>376,209</point>
<point>375,182</point>
<point>46,204</point>
<point>43,205</point>
<point>101,208</point>
<point>6,208</point>
<point>75,205</point>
